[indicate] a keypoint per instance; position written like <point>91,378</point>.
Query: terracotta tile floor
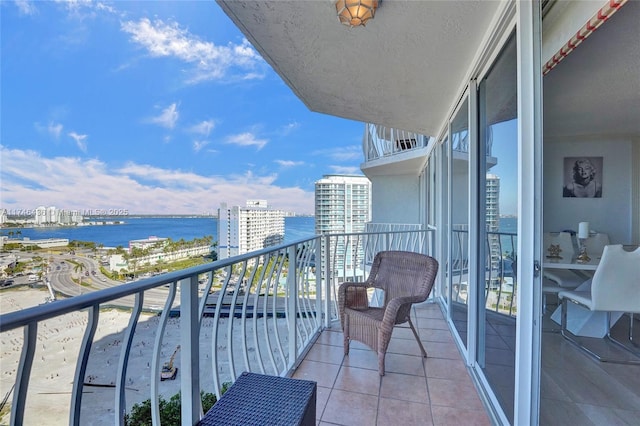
<point>414,391</point>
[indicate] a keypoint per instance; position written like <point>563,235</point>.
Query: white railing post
<point>326,263</point>
<point>292,302</point>
<point>190,351</point>
<point>318,274</point>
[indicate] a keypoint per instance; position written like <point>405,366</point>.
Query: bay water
<point>138,228</point>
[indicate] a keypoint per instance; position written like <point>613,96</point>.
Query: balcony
<point>90,358</point>
<point>389,151</point>
<point>414,391</point>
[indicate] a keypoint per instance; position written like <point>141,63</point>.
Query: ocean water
<point>136,228</point>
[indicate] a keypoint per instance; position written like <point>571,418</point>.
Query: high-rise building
<point>492,202</point>
<point>343,205</point>
<point>492,211</point>
<point>245,229</point>
<point>41,215</point>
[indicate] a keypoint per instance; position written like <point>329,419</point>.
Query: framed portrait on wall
<point>582,177</point>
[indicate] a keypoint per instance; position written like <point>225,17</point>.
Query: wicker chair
<point>405,278</point>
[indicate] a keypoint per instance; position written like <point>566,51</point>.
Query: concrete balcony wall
<point>401,199</point>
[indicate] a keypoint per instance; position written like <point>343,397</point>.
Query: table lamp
<point>583,234</point>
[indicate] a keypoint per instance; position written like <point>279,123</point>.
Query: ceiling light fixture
<point>354,13</point>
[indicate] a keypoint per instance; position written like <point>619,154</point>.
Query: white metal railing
<point>501,285</point>
<point>379,141</point>
<point>257,312</point>
<point>460,140</point>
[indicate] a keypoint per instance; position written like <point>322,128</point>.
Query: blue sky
<point>154,107</point>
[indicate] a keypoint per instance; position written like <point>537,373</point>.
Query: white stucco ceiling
<point>405,68</point>
<point>402,70</point>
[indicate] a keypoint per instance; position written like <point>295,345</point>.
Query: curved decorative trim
<point>587,29</point>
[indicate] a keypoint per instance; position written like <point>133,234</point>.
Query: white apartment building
<point>343,205</point>
<point>69,217</point>
<point>245,229</point>
<point>148,242</point>
<point>41,215</point>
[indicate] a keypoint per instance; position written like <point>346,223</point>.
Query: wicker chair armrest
<point>354,295</point>
<point>393,308</point>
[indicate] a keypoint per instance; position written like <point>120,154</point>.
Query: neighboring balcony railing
<point>257,312</point>
<point>501,284</point>
<point>380,141</point>
<point>460,140</point>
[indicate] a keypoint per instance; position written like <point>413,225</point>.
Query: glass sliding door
<point>443,215</point>
<point>459,220</point>
<point>497,228</point>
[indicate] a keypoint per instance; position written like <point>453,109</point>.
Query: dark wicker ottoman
<point>256,399</point>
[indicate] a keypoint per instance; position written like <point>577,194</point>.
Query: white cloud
<point>203,128</point>
<point>105,7</point>
<point>55,129</point>
<point>29,180</point>
<point>26,7</point>
<point>246,139</point>
<point>198,145</point>
<point>288,128</point>
<point>289,163</point>
<point>210,62</point>
<point>80,140</point>
<point>346,170</point>
<point>343,153</point>
<point>168,117</point>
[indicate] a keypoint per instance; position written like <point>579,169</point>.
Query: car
<point>93,272</point>
<point>86,274</point>
<point>33,277</point>
<point>58,268</point>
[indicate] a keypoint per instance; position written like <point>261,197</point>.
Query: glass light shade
<point>583,230</point>
<point>356,12</point>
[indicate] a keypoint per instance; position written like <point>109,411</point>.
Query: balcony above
<point>389,151</point>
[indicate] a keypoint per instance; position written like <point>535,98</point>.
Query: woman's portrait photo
<point>582,177</point>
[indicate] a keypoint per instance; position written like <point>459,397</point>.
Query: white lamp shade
<point>583,230</point>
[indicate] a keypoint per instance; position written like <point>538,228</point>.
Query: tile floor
<point>577,389</point>
<point>414,391</point>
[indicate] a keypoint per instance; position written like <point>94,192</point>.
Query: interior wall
<point>401,199</point>
<point>613,212</point>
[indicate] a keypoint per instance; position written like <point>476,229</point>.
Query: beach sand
<point>58,345</point>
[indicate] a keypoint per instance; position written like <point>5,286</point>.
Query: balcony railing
<point>380,141</point>
<point>257,312</point>
<point>501,285</point>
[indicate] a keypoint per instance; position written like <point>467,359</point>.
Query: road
<point>61,272</point>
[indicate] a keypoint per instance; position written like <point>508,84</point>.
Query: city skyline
<point>147,107</point>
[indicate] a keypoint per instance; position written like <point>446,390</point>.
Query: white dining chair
<point>615,287</point>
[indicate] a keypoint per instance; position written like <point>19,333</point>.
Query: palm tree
<point>79,267</point>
